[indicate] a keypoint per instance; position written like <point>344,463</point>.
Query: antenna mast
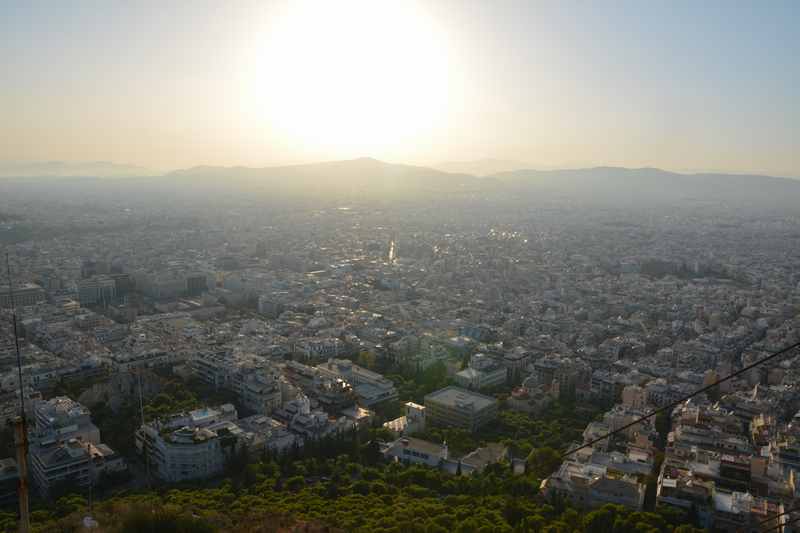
<point>141,413</point>
<point>20,424</point>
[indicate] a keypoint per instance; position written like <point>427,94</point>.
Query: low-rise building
<point>251,378</point>
<point>315,349</point>
<point>62,418</point>
<point>370,387</point>
<point>409,450</point>
<point>413,421</point>
<point>27,294</point>
<point>263,433</point>
<point>483,372</point>
<point>589,485</point>
<point>456,407</point>
<point>56,464</point>
<point>189,446</point>
<point>478,459</point>
<point>308,423</point>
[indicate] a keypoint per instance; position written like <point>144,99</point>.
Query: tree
<point>543,461</point>
<point>140,520</point>
<point>600,520</point>
<point>295,483</point>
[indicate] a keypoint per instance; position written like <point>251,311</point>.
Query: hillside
<point>64,169</point>
<point>627,187</point>
<point>481,167</point>
<point>368,180</point>
<point>356,177</point>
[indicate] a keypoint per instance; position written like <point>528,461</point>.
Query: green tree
<point>543,461</point>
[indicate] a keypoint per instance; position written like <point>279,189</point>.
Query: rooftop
<point>461,398</point>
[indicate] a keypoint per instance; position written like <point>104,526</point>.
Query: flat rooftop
<point>457,397</point>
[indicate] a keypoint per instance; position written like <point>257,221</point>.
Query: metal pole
<point>16,339</point>
<point>20,424</point>
<point>145,443</point>
<point>21,438</point>
<point>91,478</point>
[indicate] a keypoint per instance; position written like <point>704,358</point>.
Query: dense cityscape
<point>164,351</point>
<point>399,266</point>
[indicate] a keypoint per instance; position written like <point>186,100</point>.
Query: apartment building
<point>315,349</point>
<point>456,407</point>
<point>189,446</point>
<point>408,450</point>
<point>413,421</point>
<point>62,418</point>
<point>587,485</point>
<point>482,372</point>
<point>251,378</point>
<point>24,295</point>
<point>370,387</point>
<point>65,448</point>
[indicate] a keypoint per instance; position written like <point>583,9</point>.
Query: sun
<point>350,77</point>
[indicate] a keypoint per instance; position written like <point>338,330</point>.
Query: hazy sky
<point>683,85</point>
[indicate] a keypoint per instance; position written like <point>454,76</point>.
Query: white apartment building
<point>54,463</point>
<point>316,349</point>
<point>262,433</point>
<point>189,446</point>
<point>409,450</point>
<point>252,379</point>
<point>483,372</point>
<point>65,447</point>
<point>587,486</point>
<point>62,418</point>
<point>370,387</point>
<point>592,478</point>
<point>413,421</point>
<point>308,423</point>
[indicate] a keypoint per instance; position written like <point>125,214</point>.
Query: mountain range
<point>481,167</point>
<point>65,169</point>
<point>349,176</point>
<point>366,178</point>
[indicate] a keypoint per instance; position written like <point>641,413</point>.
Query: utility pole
<point>145,444</point>
<point>88,521</point>
<point>20,423</point>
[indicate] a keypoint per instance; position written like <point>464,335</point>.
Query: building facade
<point>456,407</point>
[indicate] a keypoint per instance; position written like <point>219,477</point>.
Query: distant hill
<point>59,169</point>
<point>364,176</point>
<point>612,186</point>
<point>652,186</point>
<point>481,167</point>
<point>368,179</point>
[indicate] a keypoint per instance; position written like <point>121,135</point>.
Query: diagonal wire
<point>670,406</point>
<point>779,527</point>
<point>778,515</point>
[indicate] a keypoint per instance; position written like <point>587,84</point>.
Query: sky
<point>680,85</point>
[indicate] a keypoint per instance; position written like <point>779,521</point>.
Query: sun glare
<point>351,76</point>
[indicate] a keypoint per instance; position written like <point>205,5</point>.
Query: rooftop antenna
<point>20,423</point>
<point>141,414</point>
<point>88,521</point>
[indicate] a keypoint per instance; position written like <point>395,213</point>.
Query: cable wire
<point>771,518</point>
<point>676,403</point>
<point>780,526</point>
